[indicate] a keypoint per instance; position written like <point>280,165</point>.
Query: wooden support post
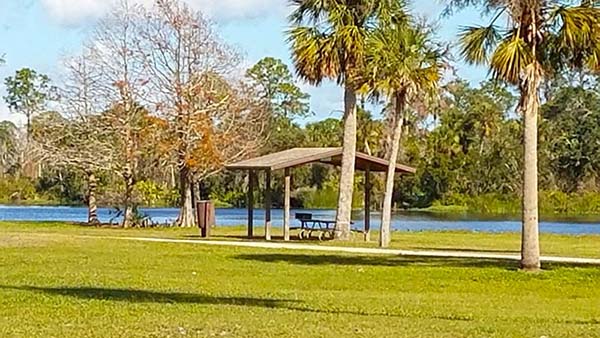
<point>268,205</point>
<point>367,230</point>
<point>286,205</point>
<point>250,202</point>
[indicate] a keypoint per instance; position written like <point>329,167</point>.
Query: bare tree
<point>78,137</point>
<point>212,119</point>
<point>122,85</point>
<point>155,86</point>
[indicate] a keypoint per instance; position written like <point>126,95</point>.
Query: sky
<point>38,34</point>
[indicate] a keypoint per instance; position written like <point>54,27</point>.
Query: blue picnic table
<point>309,226</point>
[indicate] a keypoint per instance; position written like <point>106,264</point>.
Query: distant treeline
<point>468,154</point>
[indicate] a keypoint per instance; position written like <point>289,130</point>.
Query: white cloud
<point>74,12</point>
<point>5,114</point>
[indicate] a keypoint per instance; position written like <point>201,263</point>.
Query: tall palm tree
<point>328,39</point>
<point>538,38</point>
<point>406,66</point>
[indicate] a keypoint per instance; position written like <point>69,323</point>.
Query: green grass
<point>551,204</point>
<point>444,209</point>
<point>55,283</point>
<point>551,244</point>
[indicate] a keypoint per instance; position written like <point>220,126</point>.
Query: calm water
<point>401,221</point>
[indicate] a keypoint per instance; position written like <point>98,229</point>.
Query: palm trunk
<point>346,189</point>
<point>530,245</point>
<point>386,216</point>
<point>390,122</point>
<point>92,206</point>
<point>186,211</point>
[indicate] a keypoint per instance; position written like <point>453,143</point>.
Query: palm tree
<point>539,38</point>
<point>406,66</point>
<point>328,39</point>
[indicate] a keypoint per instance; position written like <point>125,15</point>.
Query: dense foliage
<point>468,153</point>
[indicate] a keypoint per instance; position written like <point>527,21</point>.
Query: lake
<point>406,221</point>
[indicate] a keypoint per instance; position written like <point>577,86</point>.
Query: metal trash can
<point>205,217</point>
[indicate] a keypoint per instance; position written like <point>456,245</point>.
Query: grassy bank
<point>508,243</point>
<point>57,284</point>
<point>551,203</point>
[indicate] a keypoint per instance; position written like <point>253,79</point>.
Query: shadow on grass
<point>144,296</point>
<point>293,239</point>
<point>388,261</point>
<point>397,261</point>
<point>463,249</point>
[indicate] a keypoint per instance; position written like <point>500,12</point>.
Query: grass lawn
<point>55,283</point>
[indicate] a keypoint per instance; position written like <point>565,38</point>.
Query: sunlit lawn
<point>56,283</point>
<point>509,243</point>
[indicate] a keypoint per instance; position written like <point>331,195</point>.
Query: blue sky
<point>39,33</point>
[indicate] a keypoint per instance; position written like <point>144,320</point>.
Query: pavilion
<point>291,158</point>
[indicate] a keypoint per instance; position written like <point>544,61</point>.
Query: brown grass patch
<point>23,240</point>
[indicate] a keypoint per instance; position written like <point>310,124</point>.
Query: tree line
<point>156,88</point>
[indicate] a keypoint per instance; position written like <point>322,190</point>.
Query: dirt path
<point>356,250</point>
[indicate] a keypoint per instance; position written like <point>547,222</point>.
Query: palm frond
<point>476,43</point>
<point>402,58</point>
<point>308,45</point>
<point>593,59</point>
<point>391,11</point>
<point>577,25</point>
<point>573,38</point>
<point>510,59</point>
<point>309,10</point>
<point>333,43</point>
<point>488,6</point>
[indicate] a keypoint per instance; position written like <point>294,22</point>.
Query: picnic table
<point>321,227</point>
<point>310,225</point>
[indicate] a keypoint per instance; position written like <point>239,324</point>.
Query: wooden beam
<point>367,230</point>
<point>250,202</point>
<point>268,205</point>
<point>286,205</point>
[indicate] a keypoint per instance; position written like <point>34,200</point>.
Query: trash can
<point>205,217</point>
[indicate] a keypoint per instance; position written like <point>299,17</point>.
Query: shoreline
<point>452,212</point>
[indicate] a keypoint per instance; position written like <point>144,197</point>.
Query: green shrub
<point>17,189</point>
<point>153,194</point>
<point>228,198</point>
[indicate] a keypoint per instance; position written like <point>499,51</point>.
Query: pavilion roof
<point>299,156</point>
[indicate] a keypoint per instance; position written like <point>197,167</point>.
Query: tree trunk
<point>92,206</point>
<point>29,128</point>
<point>346,189</point>
<point>196,194</point>
<point>390,122</point>
<point>386,215</point>
<point>128,219</point>
<point>172,176</point>
<point>186,211</point>
<point>530,245</point>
